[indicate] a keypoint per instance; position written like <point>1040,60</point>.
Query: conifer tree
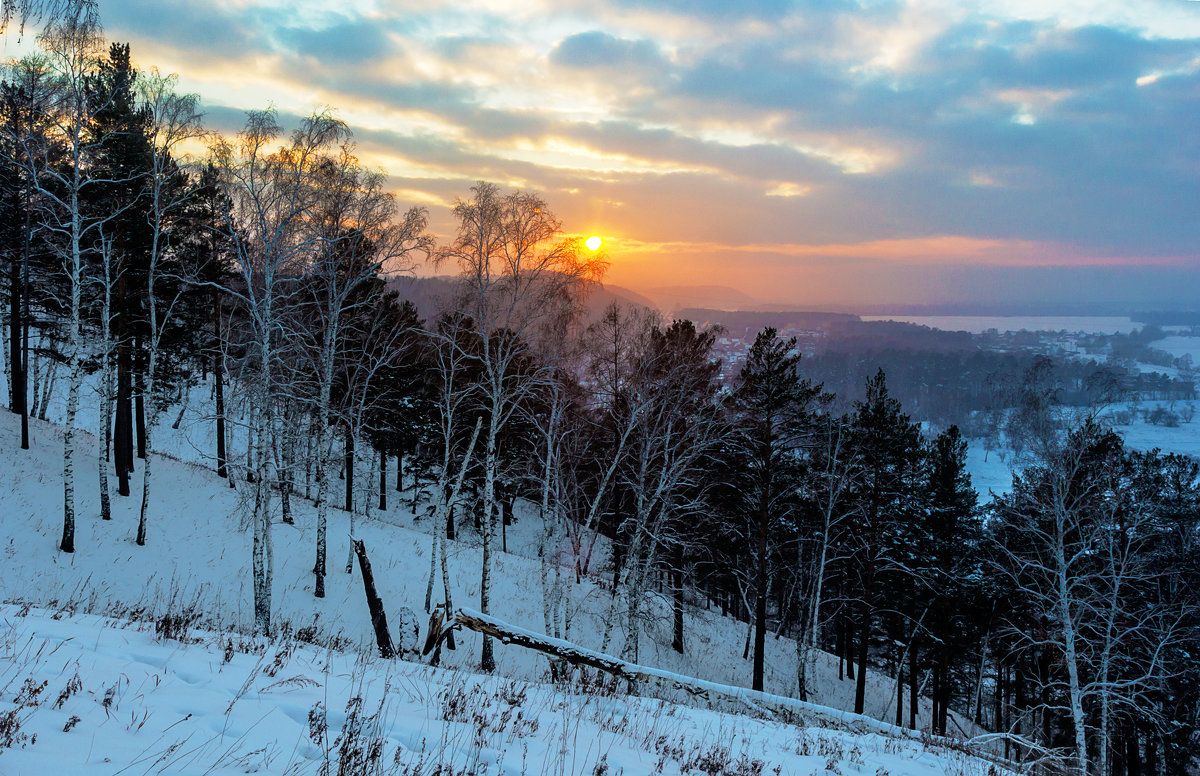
<point>772,415</point>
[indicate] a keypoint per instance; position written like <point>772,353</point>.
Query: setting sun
<point>593,243</point>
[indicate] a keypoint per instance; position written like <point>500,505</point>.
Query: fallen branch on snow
<point>790,709</point>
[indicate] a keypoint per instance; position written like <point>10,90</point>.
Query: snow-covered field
<point>1179,346</point>
<point>87,695</point>
<point>992,471</point>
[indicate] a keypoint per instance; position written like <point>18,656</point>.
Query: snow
<point>995,473</point>
<point>991,471</point>
<point>199,549</point>
<point>118,698</point>
<point>1179,346</point>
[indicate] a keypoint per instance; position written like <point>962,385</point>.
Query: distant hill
<point>747,323</point>
<point>843,332</point>
<point>430,295</point>
<point>673,298</point>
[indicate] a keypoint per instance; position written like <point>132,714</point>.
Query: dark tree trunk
<point>16,384</point>
<point>20,322</point>
<point>400,474</point>
<point>864,637</point>
<point>944,706</point>
<point>760,592</point>
<point>25,385</point>
<point>848,643</point>
<point>1001,688</point>
<point>382,481</point>
<point>383,636</point>
<point>935,691</point>
<point>1133,758</point>
<point>349,466</point>
<point>913,699</point>
<point>140,406</point>
<point>677,596</point>
<point>123,429</point>
<point>219,376</point>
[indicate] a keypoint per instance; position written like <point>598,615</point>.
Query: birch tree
<point>516,272</point>
<point>174,120</point>
<point>272,193</point>
<point>358,239</point>
<point>72,45</point>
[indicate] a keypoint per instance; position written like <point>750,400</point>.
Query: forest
<point>148,262</point>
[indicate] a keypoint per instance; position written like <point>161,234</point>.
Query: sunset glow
<point>974,130</point>
<point>593,243</point>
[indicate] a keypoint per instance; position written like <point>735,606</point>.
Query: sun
<point>593,243</point>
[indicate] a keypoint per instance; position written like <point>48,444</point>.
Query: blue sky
<point>816,152</point>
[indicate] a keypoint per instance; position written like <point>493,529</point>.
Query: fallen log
<point>787,709</point>
<point>383,637</point>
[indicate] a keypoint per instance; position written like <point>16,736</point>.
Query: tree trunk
<point>139,401</point>
<point>383,637</point>
<point>382,481</point>
<point>349,470</point>
<point>76,378</point>
<point>487,661</point>
<point>760,592</point>
<point>913,698</point>
<point>123,430</point>
<point>17,380</point>
<point>677,598</point>
<point>864,638</point>
<point>219,378</point>
<point>25,383</point>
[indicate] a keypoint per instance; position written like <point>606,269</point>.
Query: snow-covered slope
<point>198,556</point>
<point>197,563</point>
<point>84,695</point>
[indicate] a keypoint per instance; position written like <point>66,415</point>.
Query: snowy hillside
<point>198,556</point>
<point>195,564</point>
<point>84,695</point>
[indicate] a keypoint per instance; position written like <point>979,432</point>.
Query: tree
<point>888,447</point>
<point>1050,531</point>
<point>49,11</point>
<point>119,159</point>
<point>72,47</point>
<point>26,136</point>
<point>517,274</point>
<point>671,449</point>
<point>172,121</point>
<point>945,571</point>
<point>830,481</point>
<point>772,410</point>
<point>272,194</point>
<point>356,240</point>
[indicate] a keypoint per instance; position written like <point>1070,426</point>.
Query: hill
<point>196,565</point>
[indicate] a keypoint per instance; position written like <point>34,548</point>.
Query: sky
<point>815,153</point>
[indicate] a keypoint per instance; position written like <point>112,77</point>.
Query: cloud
<point>348,41</point>
<point>865,123</point>
<point>596,49</point>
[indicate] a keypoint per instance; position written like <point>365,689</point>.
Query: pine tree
<point>772,410</point>
<point>888,448</point>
